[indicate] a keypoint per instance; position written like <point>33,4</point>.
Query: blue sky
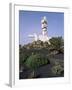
<point>30,22</point>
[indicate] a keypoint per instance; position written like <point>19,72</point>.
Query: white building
<point>44,36</point>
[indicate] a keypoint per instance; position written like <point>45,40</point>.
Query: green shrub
<point>57,69</point>
<point>57,43</point>
<point>35,61</point>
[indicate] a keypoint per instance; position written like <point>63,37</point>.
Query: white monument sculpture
<point>44,36</point>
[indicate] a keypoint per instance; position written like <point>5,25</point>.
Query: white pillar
<point>44,25</point>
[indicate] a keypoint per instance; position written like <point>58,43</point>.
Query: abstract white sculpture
<point>44,36</point>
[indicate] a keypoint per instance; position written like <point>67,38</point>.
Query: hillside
<point>38,58</point>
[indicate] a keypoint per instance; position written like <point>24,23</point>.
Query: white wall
<point>4,43</point>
